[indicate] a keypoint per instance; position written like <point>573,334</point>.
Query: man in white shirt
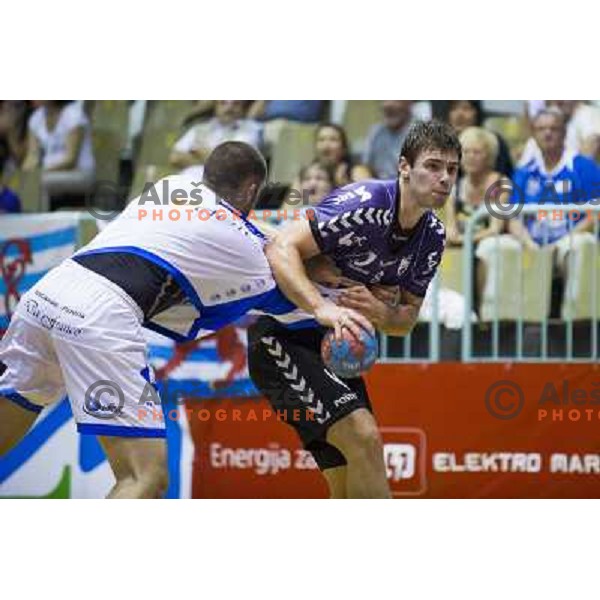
<point>229,124</point>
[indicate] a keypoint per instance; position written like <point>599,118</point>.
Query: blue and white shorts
<point>76,333</point>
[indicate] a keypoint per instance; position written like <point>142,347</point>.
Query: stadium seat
<point>578,295</point>
<point>157,145</point>
<point>451,270</point>
<point>145,174</point>
<point>28,186</point>
<point>166,114</point>
<point>504,284</point>
<point>161,130</point>
<point>359,117</point>
<point>294,150</point>
<point>111,115</point>
<point>107,149</point>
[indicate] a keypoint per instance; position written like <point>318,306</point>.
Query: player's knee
<point>157,481</point>
<point>147,475</point>
<point>154,473</point>
<point>356,435</point>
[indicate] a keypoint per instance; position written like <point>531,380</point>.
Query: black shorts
<point>287,367</point>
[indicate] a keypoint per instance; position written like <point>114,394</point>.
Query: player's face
<point>549,133</point>
<point>316,182</point>
<point>462,115</point>
<point>431,178</point>
<point>474,158</point>
<point>329,146</point>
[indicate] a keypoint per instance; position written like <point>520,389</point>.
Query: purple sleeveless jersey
<point>357,226</point>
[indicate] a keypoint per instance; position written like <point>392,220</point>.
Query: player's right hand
<point>337,317</point>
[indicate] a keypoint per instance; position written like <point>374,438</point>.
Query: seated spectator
<point>332,151</point>
<point>555,175</point>
<point>314,182</point>
<point>583,128</point>
<point>201,110</point>
<point>301,111</point>
<point>9,201</point>
<point>14,115</point>
<point>479,154</point>
<point>229,124</point>
<point>60,142</point>
<point>469,113</point>
<point>386,138</point>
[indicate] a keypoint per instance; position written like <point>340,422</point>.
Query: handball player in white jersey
<point>181,260</point>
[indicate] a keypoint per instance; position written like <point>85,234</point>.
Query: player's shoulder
<point>367,193</point>
<point>435,229</point>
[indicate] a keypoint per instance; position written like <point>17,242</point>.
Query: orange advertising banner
<point>450,430</point>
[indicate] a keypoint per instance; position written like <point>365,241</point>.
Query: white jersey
<point>213,253</point>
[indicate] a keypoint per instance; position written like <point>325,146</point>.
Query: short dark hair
<point>230,165</point>
<point>429,135</point>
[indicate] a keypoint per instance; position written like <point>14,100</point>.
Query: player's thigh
<point>30,375</point>
<point>108,379</point>
<point>357,435</point>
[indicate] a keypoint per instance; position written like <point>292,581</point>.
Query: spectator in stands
<point>14,115</point>
<point>479,155</point>
<point>301,111</point>
<point>314,182</point>
<point>9,201</point>
<point>201,110</point>
<point>60,142</point>
<point>555,175</point>
<point>469,113</point>
<point>386,138</point>
<point>332,151</point>
<point>229,124</point>
<point>583,127</point>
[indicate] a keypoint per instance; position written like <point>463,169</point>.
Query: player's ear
<point>403,169</point>
<point>252,194</point>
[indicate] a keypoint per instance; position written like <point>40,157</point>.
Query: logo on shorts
<point>104,399</point>
<point>345,399</point>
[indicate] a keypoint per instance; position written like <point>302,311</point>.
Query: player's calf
<point>358,438</point>
<point>139,466</point>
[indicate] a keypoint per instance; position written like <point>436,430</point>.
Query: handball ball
<point>350,357</point>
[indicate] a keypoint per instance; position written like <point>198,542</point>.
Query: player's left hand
<point>362,300</point>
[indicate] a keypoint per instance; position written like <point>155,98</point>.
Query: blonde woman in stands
<point>59,141</point>
<point>479,155</point>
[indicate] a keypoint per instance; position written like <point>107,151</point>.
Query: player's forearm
<point>399,320</point>
<point>290,275</point>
